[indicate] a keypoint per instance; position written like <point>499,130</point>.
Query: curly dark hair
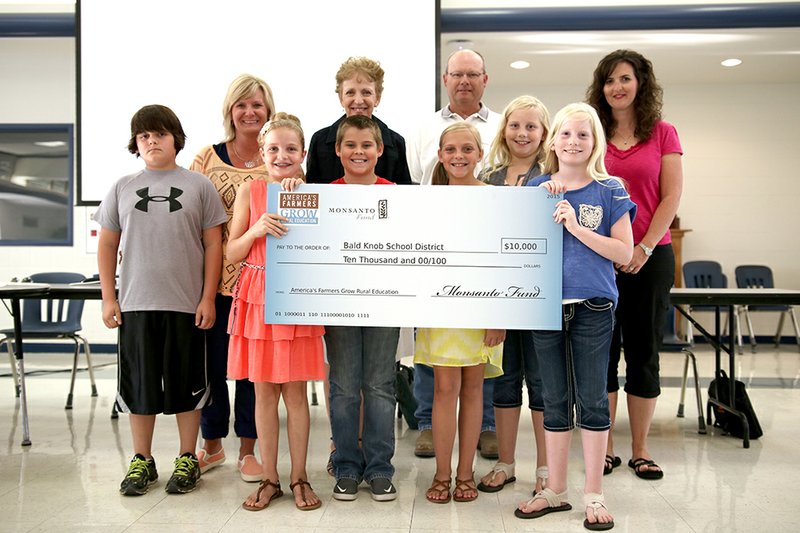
<point>648,95</point>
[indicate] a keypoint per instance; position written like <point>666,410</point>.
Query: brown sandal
<point>261,486</point>
<point>303,484</point>
<point>465,485</point>
<point>438,488</point>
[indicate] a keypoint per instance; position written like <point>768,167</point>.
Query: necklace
<point>248,163</point>
<point>626,140</point>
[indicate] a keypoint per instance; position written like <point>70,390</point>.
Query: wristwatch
<point>647,250</point>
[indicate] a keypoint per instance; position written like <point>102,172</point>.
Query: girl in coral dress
<point>278,359</point>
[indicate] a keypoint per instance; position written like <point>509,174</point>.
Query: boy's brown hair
<point>359,122</point>
<point>158,118</point>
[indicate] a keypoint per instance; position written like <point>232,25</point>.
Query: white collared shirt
<point>423,152</point>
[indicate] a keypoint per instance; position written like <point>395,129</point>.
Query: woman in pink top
<point>645,152</point>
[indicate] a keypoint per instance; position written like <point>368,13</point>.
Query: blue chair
<point>760,277</point>
<point>707,275</point>
<point>52,319</point>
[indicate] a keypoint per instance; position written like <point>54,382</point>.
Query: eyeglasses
<point>472,76</point>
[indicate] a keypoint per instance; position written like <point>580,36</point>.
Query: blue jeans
<point>519,361</point>
<point>574,363</point>
<point>215,417</point>
<point>423,393</point>
<point>362,362</point>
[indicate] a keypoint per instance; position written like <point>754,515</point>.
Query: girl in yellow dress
<point>460,358</point>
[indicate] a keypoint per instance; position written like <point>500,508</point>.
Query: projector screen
<point>184,54</point>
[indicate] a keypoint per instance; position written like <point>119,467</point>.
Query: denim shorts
<point>519,361</point>
<point>573,364</point>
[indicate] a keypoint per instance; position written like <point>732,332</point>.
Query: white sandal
<point>555,503</point>
<point>498,468</point>
<point>595,501</point>
<point>542,473</point>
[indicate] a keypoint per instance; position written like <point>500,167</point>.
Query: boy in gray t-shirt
<point>162,227</point>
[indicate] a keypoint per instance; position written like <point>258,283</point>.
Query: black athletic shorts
<point>162,363</point>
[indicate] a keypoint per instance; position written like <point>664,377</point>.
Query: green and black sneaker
<point>185,476</point>
<point>141,474</point>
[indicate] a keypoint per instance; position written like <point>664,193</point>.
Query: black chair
<point>760,277</point>
<point>52,319</point>
<point>707,275</point>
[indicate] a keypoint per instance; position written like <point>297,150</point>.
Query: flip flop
<point>612,462</point>
<point>499,468</point>
<point>465,485</point>
<point>595,501</point>
<point>302,483</point>
<point>439,486</point>
<point>638,463</point>
<point>554,504</point>
<point>261,486</point>
<point>542,473</point>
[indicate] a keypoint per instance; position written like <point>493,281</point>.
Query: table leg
<point>716,340</point>
<point>18,355</point>
<point>732,373</point>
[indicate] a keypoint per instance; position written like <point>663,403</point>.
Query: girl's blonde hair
<point>499,154</point>
<point>281,120</point>
<point>286,121</point>
<point>439,174</point>
<point>596,166</point>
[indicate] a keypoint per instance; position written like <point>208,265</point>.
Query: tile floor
<point>68,479</point>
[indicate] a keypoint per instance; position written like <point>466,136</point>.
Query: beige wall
<point>740,168</point>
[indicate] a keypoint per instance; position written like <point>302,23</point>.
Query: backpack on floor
<point>729,422</point>
<point>404,392</point>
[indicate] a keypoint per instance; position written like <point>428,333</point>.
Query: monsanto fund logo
<point>299,208</point>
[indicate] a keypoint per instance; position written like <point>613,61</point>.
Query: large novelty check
<point>393,255</point>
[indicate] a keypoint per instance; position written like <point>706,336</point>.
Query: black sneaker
<point>382,489</point>
<point>185,476</point>
<point>346,489</point>
<point>141,474</point>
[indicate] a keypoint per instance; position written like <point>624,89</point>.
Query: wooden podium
<point>673,328</point>
<point>677,248</point>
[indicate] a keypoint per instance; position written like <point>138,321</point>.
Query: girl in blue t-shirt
<point>596,213</point>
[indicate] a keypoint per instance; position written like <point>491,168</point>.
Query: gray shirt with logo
<point>161,215</point>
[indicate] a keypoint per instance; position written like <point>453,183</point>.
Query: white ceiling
<point>679,56</point>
